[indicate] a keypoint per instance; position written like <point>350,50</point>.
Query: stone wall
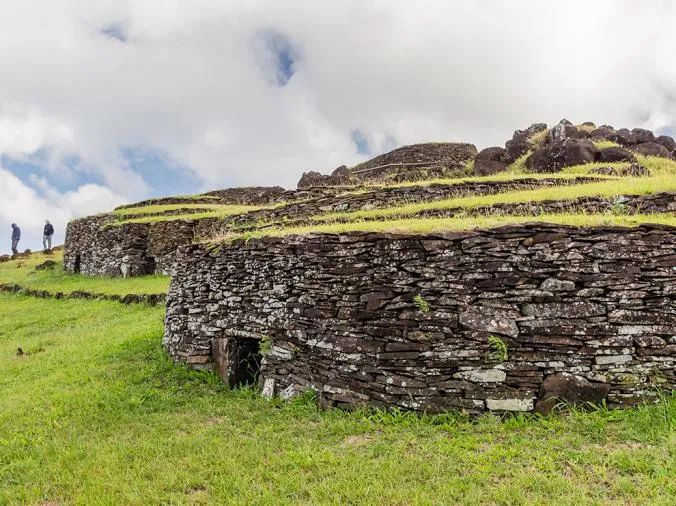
<point>507,319</point>
<point>92,248</point>
<point>96,248</point>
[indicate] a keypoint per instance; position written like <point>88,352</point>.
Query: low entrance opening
<point>246,363</point>
<point>76,264</point>
<point>237,360</point>
<point>151,265</point>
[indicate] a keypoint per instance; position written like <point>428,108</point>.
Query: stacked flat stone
<point>583,314</point>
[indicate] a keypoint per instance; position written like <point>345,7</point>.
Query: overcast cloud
<point>103,102</point>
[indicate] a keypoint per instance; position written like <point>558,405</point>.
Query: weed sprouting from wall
<point>265,345</point>
<point>422,305</point>
<point>498,347</point>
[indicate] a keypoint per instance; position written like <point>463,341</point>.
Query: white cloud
<point>191,80</point>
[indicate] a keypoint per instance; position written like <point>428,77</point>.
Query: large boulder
<point>340,176</point>
<point>484,167</point>
<point>556,156</point>
<point>580,151</point>
<point>515,149</point>
<point>651,149</point>
<point>490,161</point>
<point>616,154</point>
<point>419,158</point>
<point>602,132</point>
<point>667,142</point>
<point>568,388</point>
<point>492,153</point>
<point>342,172</point>
<point>621,136</point>
<point>312,178</point>
<point>563,130</point>
<point>641,135</point>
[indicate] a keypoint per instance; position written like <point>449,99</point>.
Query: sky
<point>107,102</point>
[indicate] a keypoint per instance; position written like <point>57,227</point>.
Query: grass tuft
<point>538,138</point>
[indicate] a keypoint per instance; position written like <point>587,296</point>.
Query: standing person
<point>47,234</point>
<point>16,237</point>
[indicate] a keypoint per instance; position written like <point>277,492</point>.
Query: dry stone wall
<point>509,319</point>
<point>96,248</point>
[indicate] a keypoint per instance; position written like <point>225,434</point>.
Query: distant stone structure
<point>99,246</point>
<point>509,319</point>
<point>408,163</point>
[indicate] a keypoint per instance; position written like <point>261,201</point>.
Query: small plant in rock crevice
<point>618,206</point>
<point>422,305</point>
<point>265,345</point>
<point>498,347</point>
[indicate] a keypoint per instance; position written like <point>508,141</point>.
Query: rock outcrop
<point>565,153</point>
<point>566,145</point>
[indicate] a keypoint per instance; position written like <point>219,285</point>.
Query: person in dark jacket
<point>47,234</point>
<point>16,237</point>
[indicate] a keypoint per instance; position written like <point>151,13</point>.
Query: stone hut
<point>508,319</point>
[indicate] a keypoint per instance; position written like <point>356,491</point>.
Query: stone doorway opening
<point>151,265</point>
<point>237,360</point>
<point>76,264</point>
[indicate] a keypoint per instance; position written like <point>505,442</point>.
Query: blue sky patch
<point>283,55</point>
<point>115,31</point>
<point>35,165</point>
<point>162,175</point>
<point>360,142</point>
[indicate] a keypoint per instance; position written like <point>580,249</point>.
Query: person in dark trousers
<point>16,237</point>
<point>47,234</point>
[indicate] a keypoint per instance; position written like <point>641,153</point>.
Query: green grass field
<point>22,272</point>
<point>97,414</point>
